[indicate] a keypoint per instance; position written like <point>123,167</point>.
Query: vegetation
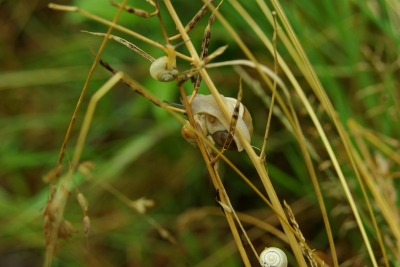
<point>142,196</point>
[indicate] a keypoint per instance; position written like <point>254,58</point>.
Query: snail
<point>273,257</point>
<point>211,121</point>
<point>164,69</point>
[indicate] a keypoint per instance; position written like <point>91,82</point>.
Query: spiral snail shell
<point>164,69</point>
<point>273,257</point>
<point>210,119</point>
<point>159,70</point>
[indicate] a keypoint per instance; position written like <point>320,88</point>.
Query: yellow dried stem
<point>307,252</point>
<point>262,153</point>
<point>254,158</point>
<point>214,177</point>
<point>356,132</point>
<point>193,21</point>
<point>126,43</point>
<point>63,146</point>
<point>240,225</point>
<point>137,11</point>
<point>260,167</point>
<point>295,84</point>
<point>115,26</point>
<point>381,202</point>
<point>115,79</point>
<point>321,94</point>
<point>59,200</point>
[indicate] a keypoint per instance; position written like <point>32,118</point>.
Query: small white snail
<point>273,257</point>
<point>211,121</point>
<point>164,69</point>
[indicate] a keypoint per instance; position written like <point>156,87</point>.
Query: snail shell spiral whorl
<point>273,257</point>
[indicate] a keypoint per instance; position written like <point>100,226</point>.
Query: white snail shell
<point>160,71</point>
<point>273,257</point>
<point>215,121</point>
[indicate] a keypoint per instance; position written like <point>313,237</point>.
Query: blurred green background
<point>137,147</point>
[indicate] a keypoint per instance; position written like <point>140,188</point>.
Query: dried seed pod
<point>82,201</point>
<point>50,176</point>
<point>86,225</point>
<point>66,230</point>
<point>273,257</point>
<point>142,204</point>
<point>164,69</point>
<point>86,169</point>
<point>214,122</point>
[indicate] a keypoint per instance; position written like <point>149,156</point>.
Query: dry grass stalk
<point>321,94</point>
<point>256,160</point>
<point>198,64</point>
<point>56,204</point>
<point>306,251</point>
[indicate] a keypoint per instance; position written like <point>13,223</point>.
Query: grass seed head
<point>86,169</point>
<point>66,230</point>
<point>50,176</point>
<point>82,201</point>
<point>142,204</point>
<point>86,225</point>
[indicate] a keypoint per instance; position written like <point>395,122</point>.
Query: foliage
<point>137,147</point>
